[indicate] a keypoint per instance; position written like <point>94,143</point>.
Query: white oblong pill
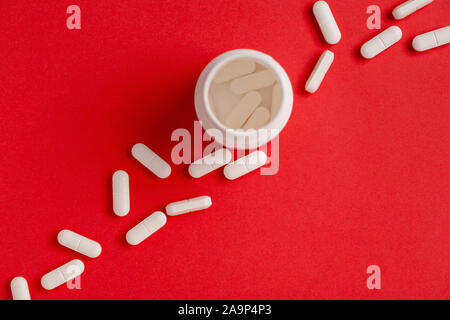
<point>276,100</point>
<point>209,163</point>
<point>253,81</point>
<point>121,193</point>
<point>242,111</point>
<point>408,7</point>
<point>146,228</point>
<point>151,160</point>
<point>79,243</point>
<point>327,23</point>
<point>234,69</point>
<point>257,119</point>
<point>321,68</point>
<point>190,205</point>
<point>432,39</point>
<point>19,289</point>
<point>245,165</point>
<point>66,272</point>
<point>381,42</point>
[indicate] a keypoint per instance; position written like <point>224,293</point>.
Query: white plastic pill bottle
<point>251,71</point>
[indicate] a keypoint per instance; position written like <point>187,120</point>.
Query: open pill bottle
<point>243,99</point>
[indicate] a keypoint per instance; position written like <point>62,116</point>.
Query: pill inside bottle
<point>244,94</point>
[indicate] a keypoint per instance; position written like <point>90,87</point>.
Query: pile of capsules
<point>221,157</point>
<point>377,44</point>
<point>155,221</point>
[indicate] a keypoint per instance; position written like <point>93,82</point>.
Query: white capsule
<point>408,7</point>
<point>233,70</point>
<point>66,272</point>
<point>151,160</point>
<point>327,23</point>
<point>19,289</point>
<point>209,163</point>
<point>146,228</point>
<point>190,205</point>
<point>242,111</point>
<point>432,39</point>
<point>121,193</point>
<point>321,68</point>
<point>258,119</point>
<point>245,165</point>
<point>78,243</point>
<point>381,42</point>
<point>276,100</point>
<point>253,81</point>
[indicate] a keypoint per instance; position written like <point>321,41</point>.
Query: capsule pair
<point>121,181</point>
<point>158,219</point>
<point>74,268</point>
<point>232,170</point>
<point>393,34</point>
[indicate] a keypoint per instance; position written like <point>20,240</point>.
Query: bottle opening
<point>244,94</point>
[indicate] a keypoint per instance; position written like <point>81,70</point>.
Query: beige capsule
<point>242,111</point>
<point>253,81</point>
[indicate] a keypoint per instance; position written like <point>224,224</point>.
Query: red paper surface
<point>364,162</point>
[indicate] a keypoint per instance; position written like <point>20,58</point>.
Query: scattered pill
<point>209,163</point>
<point>19,289</point>
<point>432,39</point>
<point>254,81</point>
<point>234,69</point>
<point>321,68</point>
<point>146,228</point>
<point>151,160</point>
<point>121,193</point>
<point>381,42</point>
<point>78,243</point>
<point>408,7</point>
<point>242,111</point>
<point>276,100</point>
<point>66,272</point>
<point>327,23</point>
<point>258,119</point>
<point>245,165</point>
<point>190,205</point>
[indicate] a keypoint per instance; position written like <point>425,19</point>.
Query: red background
<point>364,162</point>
